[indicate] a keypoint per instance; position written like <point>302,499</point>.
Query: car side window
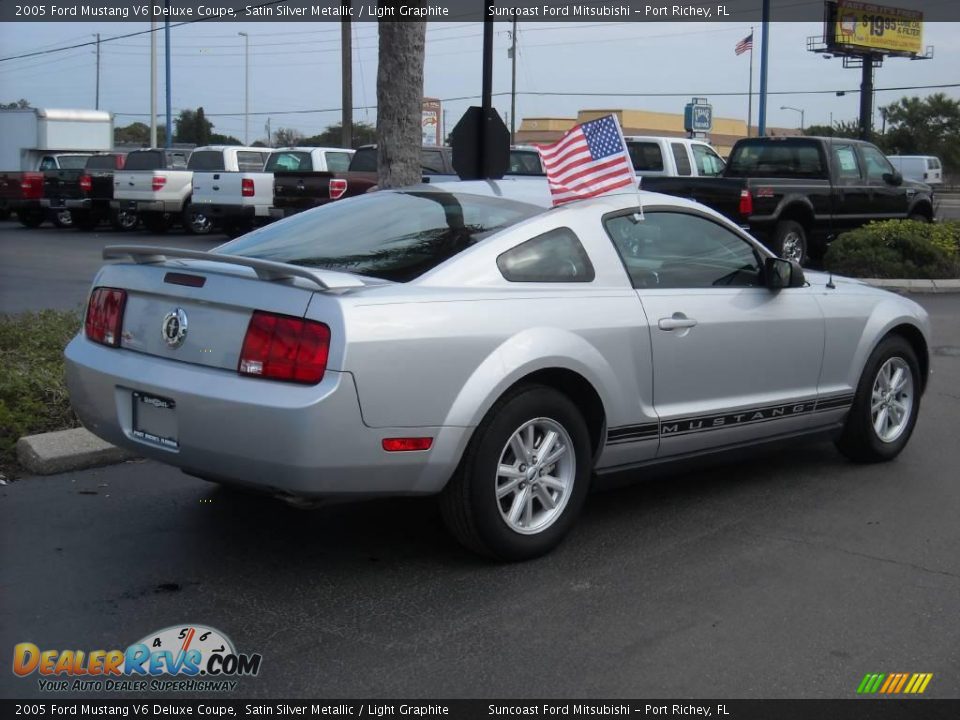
<point>555,256</point>
<point>681,158</point>
<point>876,162</point>
<point>431,161</point>
<point>645,156</point>
<point>337,161</point>
<point>845,159</point>
<point>48,163</point>
<point>680,250</point>
<point>709,164</point>
<point>249,161</point>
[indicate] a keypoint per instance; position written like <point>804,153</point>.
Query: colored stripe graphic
<point>894,683</point>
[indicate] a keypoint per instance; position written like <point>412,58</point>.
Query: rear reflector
<point>280,347</point>
<point>31,186</point>
<point>746,203</point>
<point>246,187</point>
<point>407,444</point>
<point>105,316</point>
<point>158,182</point>
<point>338,186</point>
<point>86,183</point>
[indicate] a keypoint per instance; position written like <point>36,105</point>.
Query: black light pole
<point>866,98</point>
<point>513,82</point>
<point>486,99</point>
<point>346,71</point>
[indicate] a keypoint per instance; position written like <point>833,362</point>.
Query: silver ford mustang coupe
<point>467,340</point>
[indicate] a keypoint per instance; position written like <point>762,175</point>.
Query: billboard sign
<point>877,27</point>
<point>430,122</point>
<point>698,116</point>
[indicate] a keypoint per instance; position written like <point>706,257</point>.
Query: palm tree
<point>399,101</point>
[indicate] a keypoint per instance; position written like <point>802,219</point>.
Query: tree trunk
<point>399,99</point>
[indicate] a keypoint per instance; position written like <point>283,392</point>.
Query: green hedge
<point>897,249</point>
<point>33,395</point>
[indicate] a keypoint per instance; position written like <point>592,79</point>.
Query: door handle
<point>678,321</point>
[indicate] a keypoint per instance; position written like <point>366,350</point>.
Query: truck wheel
<point>124,220</point>
<point>523,477</point>
<point>886,404</point>
<point>84,220</point>
<point>919,217</point>
<point>61,218</point>
<point>30,218</point>
<point>790,241</point>
<point>156,222</point>
<point>196,221</point>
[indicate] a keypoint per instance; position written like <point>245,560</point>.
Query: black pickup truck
<point>86,193</point>
<point>795,194</point>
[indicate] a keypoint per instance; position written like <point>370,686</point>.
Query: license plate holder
<point>154,420</point>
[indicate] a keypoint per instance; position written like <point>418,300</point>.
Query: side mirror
<point>894,178</point>
<point>780,273</point>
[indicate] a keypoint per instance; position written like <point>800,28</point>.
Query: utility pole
<point>246,87</point>
<point>153,79</point>
<point>346,71</point>
<point>97,102</point>
<point>513,81</point>
<point>168,139</point>
<point>764,54</point>
<point>866,98</point>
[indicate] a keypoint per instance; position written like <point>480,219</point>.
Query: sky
<point>296,66</point>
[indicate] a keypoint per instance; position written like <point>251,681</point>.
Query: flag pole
<point>750,87</point>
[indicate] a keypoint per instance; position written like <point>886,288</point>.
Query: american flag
<point>589,160</point>
<point>744,45</point>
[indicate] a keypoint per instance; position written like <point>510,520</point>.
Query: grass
<point>33,394</point>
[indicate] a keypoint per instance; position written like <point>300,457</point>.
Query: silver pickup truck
<point>162,195</point>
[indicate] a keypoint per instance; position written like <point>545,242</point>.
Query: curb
<point>67,450</point>
<point>916,286</point>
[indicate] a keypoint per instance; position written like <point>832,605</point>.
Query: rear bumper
<point>277,437</point>
<point>220,213</point>
<point>162,206</point>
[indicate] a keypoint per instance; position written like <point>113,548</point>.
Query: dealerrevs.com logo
<point>186,658</point>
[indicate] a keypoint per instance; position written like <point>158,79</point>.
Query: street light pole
<point>246,84</point>
<point>799,110</point>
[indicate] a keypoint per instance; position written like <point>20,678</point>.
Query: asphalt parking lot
<point>788,575</point>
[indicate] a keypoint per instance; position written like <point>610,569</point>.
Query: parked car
<point>87,196</point>
<point>238,201</point>
<point>31,194</point>
<point>525,160</point>
<point>922,168</point>
<point>673,157</point>
<point>161,192</point>
<point>488,348</point>
<point>797,193</point>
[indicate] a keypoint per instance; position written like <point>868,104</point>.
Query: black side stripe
<point>703,423</point>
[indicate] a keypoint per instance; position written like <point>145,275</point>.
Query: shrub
<point>33,395</point>
<point>897,249</point>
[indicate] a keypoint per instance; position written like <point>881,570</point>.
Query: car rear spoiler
<point>265,269</point>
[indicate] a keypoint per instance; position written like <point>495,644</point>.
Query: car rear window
<point>73,162</point>
<point>289,160</point>
<point>426,228</point>
<point>144,160</point>
<point>525,162</point>
<point>364,160</point>
<point>206,160</point>
<point>645,156</point>
<point>104,162</point>
<point>763,158</point>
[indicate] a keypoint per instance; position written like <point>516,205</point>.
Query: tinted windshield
<point>766,158</point>
<point>103,162</point>
<point>525,162</point>
<point>144,160</point>
<point>425,228</point>
<point>364,160</point>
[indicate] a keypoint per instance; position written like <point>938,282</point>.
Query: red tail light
<point>120,161</point>
<point>280,347</point>
<point>338,186</point>
<point>86,183</point>
<point>746,203</point>
<point>246,187</point>
<point>31,186</point>
<point>407,444</point>
<point>158,182</point>
<point>105,316</point>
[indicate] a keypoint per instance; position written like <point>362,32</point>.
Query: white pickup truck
<point>236,202</point>
<point>162,195</point>
<point>673,157</point>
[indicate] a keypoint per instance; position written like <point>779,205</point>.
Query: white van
<point>923,168</point>
<point>673,157</point>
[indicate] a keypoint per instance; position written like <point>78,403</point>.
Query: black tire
<point>84,220</point>
<point>195,220</point>
<point>469,503</point>
<point>156,222</point>
<point>919,217</point>
<point>790,241</point>
<point>61,218</point>
<point>124,220</point>
<point>31,218</point>
<point>860,441</point>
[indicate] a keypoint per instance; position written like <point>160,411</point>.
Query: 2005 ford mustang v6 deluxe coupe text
<point>466,339</point>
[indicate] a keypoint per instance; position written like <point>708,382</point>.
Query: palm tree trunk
<point>399,102</point>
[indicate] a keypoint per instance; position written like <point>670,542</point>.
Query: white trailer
<point>26,135</point>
